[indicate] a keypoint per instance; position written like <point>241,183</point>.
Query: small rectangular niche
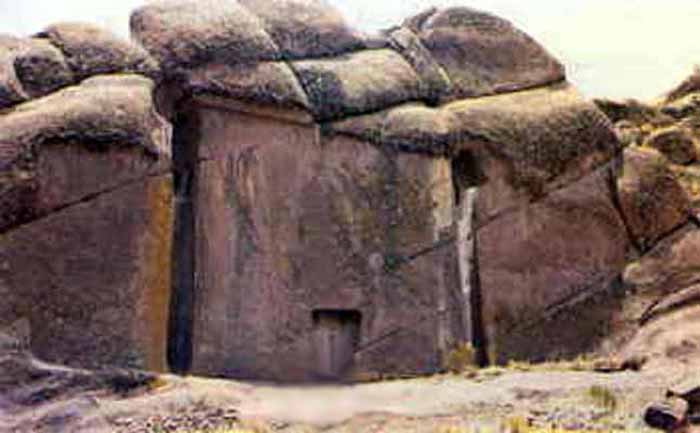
<point>336,338</point>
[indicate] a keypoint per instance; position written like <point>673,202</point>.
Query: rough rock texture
<point>91,50</point>
<point>531,142</point>
<point>483,54</point>
<point>86,220</point>
<point>40,67</point>
<point>267,83</point>
<point>520,290</point>
<point>671,265</point>
<point>350,227</point>
<point>683,107</point>
<point>677,144</point>
<point>541,139</point>
<point>29,68</point>
<point>108,108</point>
<point>433,77</point>
<point>667,415</point>
<point>59,398</point>
<point>101,113</point>
<point>11,91</point>
<point>304,29</point>
<point>186,33</point>
<point>357,83</point>
<point>449,56</point>
<point>117,242</point>
<point>324,186</point>
<point>651,199</point>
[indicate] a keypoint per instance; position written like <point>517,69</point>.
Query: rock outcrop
<point>380,138</point>
<point>336,204</point>
<point>658,194</point>
<point>86,206</point>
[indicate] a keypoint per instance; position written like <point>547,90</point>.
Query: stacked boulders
<point>374,127</point>
<point>85,198</point>
<point>659,195</point>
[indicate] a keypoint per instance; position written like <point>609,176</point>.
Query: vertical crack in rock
<point>466,177</point>
<point>185,139</point>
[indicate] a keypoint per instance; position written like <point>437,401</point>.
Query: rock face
<point>338,206</point>
<point>651,198</point>
<point>349,228</point>
<point>86,223</point>
<point>521,291</point>
<point>91,50</point>
<point>352,263</point>
<point>658,194</point>
<point>483,54</point>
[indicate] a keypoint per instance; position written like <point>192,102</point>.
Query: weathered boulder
<point>522,291</point>
<point>11,91</point>
<point>29,68</point>
<point>357,83</point>
<point>186,33</point>
<point>676,143</point>
<point>40,67</point>
<point>303,29</point>
<point>433,77</point>
<point>683,107</point>
<point>483,54</point>
<point>101,113</point>
<point>668,333</point>
<point>86,200</point>
<point>412,127</point>
<point>271,83</point>
<point>671,265</point>
<point>689,178</point>
<point>531,142</point>
<point>667,415</point>
<point>91,50</point>
<point>652,201</point>
<point>108,108</point>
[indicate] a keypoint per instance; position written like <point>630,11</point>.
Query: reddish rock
<point>98,272</point>
<point>536,261</point>
<point>348,227</point>
<point>303,29</point>
<point>651,198</point>
<point>91,50</point>
<point>677,144</point>
<point>483,54</point>
<point>671,265</point>
<point>101,113</point>
<point>357,83</point>
<point>186,33</point>
<point>87,224</point>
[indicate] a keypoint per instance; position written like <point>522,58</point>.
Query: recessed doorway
<point>336,337</point>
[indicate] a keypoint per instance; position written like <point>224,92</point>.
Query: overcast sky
<point>614,48</point>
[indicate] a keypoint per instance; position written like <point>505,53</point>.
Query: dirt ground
<point>572,400</point>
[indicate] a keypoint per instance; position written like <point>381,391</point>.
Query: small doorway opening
<point>336,338</point>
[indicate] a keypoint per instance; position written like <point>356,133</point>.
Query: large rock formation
<point>345,204</point>
<point>659,194</point>
<point>380,141</point>
<point>86,206</point>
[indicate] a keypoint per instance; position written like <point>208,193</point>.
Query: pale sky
<point>612,48</point>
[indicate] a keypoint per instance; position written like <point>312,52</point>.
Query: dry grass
<point>518,425</point>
